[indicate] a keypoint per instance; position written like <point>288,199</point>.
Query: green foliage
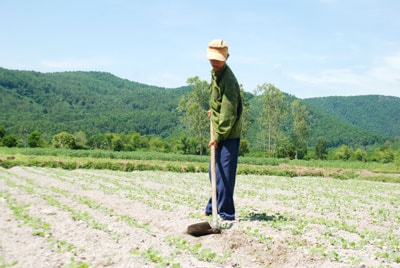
<point>343,152</point>
<point>375,113</point>
<point>130,161</point>
<point>186,145</point>
<point>99,109</point>
<point>247,119</point>
<point>35,140</point>
<point>384,154</point>
<point>10,141</point>
<point>300,129</point>
<point>80,139</point>
<point>244,147</point>
<point>193,107</point>
<point>359,155</point>
<point>156,144</point>
<point>64,140</point>
<point>2,131</point>
<point>335,132</point>
<point>272,114</point>
<point>92,102</point>
<point>98,142</point>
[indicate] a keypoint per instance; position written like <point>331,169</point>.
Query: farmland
<point>52,217</point>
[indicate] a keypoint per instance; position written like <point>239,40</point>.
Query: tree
<point>2,131</point>
<point>10,141</point>
<point>35,140</point>
<point>247,121</point>
<point>187,145</point>
<point>80,139</point>
<point>194,108</point>
<point>300,128</point>
<point>156,144</point>
<point>244,147</point>
<point>97,142</point>
<point>344,152</point>
<point>386,154</point>
<point>359,155</point>
<point>273,113</point>
<point>117,144</point>
<point>321,150</point>
<point>64,140</point>
<point>137,141</point>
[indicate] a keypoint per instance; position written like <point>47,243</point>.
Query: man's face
<point>217,65</point>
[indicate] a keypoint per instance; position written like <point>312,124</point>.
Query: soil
<point>102,218</point>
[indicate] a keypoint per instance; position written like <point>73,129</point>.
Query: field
<point>52,217</point>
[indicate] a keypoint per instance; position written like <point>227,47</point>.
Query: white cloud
<point>167,80</point>
<point>326,77</point>
<point>388,69</point>
<point>383,78</point>
<point>70,64</point>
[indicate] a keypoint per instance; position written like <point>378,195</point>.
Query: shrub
<point>10,141</point>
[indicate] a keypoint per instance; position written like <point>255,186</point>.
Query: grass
<point>131,161</point>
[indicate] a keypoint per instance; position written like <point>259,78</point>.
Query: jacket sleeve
<point>229,109</point>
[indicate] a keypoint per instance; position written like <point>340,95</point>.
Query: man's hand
<point>209,113</point>
<point>213,143</point>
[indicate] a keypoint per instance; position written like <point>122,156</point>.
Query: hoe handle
<point>213,181</point>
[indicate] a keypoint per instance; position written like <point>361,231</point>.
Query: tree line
<point>187,146</point>
<point>96,102</point>
<point>283,131</point>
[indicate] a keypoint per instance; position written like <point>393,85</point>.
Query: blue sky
<point>307,48</point>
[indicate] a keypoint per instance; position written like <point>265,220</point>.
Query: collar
<point>220,71</point>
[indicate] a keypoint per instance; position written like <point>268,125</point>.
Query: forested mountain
<point>92,102</point>
<point>97,103</point>
<point>336,132</point>
<point>326,126</point>
<point>372,112</point>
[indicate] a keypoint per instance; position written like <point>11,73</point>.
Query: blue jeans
<point>226,159</point>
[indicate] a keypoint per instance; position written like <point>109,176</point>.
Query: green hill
<point>326,126</point>
<point>376,113</point>
<point>337,132</point>
<point>93,102</point>
<point>97,103</point>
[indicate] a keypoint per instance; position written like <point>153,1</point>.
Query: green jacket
<point>226,105</point>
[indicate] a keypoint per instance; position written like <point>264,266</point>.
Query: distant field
<point>52,217</point>
<point>131,161</point>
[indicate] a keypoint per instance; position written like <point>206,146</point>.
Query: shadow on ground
<point>255,216</point>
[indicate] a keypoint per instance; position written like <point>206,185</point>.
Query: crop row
<point>54,196</point>
<point>345,222</point>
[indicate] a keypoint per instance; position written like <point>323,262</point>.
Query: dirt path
<point>101,218</point>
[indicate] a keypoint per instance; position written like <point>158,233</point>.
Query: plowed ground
<point>102,218</point>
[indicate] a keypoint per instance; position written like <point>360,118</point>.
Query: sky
<point>306,48</point>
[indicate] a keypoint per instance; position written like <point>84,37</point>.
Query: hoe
<point>205,228</point>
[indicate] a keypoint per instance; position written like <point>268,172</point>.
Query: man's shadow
<point>255,216</point>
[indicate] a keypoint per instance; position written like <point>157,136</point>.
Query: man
<point>226,117</point>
